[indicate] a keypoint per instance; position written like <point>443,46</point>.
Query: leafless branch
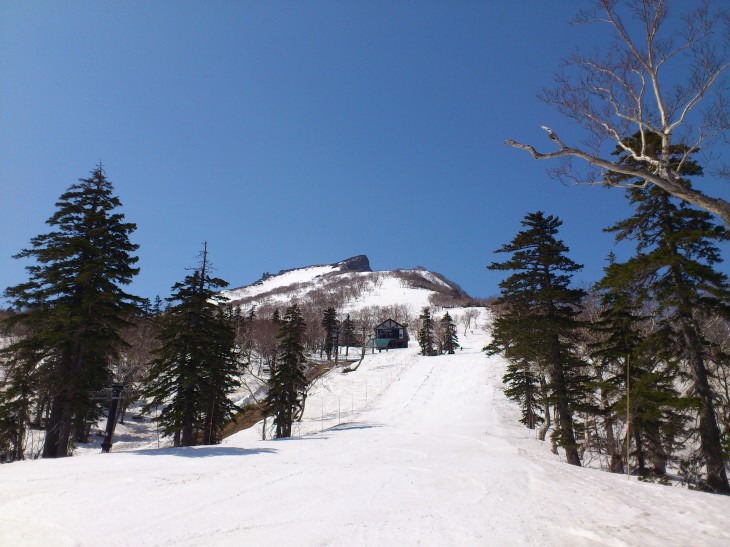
<point>629,92</point>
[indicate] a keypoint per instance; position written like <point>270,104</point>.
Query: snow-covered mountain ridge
<point>348,285</point>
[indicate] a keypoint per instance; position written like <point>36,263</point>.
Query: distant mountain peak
<point>349,284</point>
<point>359,263</point>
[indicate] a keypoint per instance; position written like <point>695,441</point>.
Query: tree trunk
<point>655,450</point>
<point>616,464</point>
<point>529,411</point>
<point>565,416</point>
<point>188,418</point>
<point>640,460</point>
<point>58,429</point>
<point>710,436</point>
<point>546,404</point>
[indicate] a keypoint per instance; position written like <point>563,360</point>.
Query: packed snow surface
<point>406,450</point>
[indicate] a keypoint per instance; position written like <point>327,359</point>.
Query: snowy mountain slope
<point>415,450</point>
<point>347,285</point>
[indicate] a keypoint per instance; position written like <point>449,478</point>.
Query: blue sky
<point>293,133</point>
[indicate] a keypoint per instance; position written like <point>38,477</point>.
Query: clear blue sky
<point>292,133</point>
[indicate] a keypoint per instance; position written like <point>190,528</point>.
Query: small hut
<point>390,334</point>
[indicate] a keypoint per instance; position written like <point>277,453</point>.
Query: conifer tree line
<point>436,338</point>
<point>634,370</point>
<point>74,330</point>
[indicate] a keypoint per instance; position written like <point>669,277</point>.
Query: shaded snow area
<point>406,450</point>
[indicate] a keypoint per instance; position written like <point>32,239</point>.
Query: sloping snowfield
<point>406,450</point>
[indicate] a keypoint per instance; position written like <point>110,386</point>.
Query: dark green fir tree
<point>676,256</point>
<point>426,336</point>
<point>195,368</point>
<point>635,377</point>
<point>288,383</point>
<point>449,337</point>
<point>523,386</point>
<point>72,310</point>
<point>539,326</point>
<point>348,333</point>
<point>330,325</point>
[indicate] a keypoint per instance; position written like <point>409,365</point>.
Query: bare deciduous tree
<point>664,74</point>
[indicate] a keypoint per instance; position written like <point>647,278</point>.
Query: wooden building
<point>390,334</point>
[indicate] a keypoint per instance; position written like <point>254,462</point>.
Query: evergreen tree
<point>19,391</point>
<point>636,376</point>
<point>426,334</point>
<point>523,386</point>
<point>330,325</point>
<point>157,306</point>
<point>676,255</point>
<point>287,383</point>
<point>348,333</point>
<point>449,337</point>
<point>539,326</point>
<point>194,370</point>
<point>73,307</point>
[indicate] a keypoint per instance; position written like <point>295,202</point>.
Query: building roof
<point>389,323</point>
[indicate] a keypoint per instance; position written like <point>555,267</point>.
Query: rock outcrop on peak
<point>359,263</point>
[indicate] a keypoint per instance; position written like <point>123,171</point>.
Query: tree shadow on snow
<point>353,425</point>
<point>203,451</point>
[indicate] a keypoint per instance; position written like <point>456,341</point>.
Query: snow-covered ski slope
<point>414,451</point>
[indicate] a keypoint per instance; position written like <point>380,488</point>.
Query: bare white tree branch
<point>629,93</point>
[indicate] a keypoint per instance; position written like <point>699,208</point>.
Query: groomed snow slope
<point>429,452</point>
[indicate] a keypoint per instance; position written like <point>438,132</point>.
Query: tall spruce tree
<point>348,333</point>
<point>73,308</point>
<point>449,337</point>
<point>195,368</point>
<point>287,383</point>
<point>676,258</point>
<point>330,325</point>
<point>426,337</point>
<point>539,325</point>
<point>635,377</point>
<point>619,344</point>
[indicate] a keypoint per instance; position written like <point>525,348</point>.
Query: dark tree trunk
<point>58,429</point>
<point>530,418</point>
<point>546,403</point>
<point>565,416</point>
<point>710,436</point>
<point>641,462</point>
<point>616,464</point>
<point>655,450</point>
<point>188,418</point>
